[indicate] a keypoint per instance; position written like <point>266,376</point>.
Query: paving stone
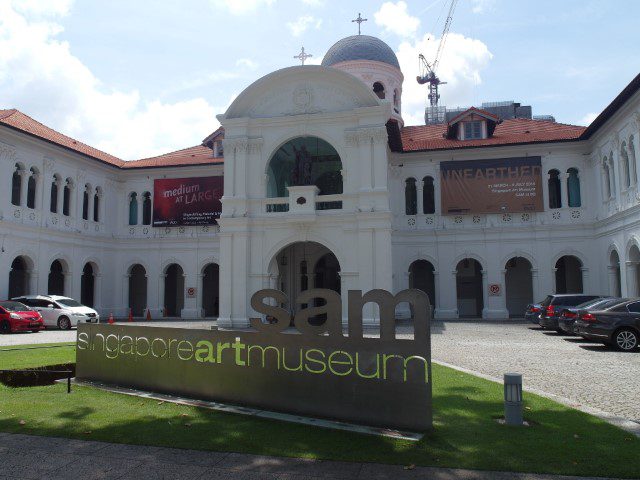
<point>34,465</point>
<point>164,471</point>
<point>88,467</point>
<point>297,466</point>
<point>50,444</point>
<point>160,454</point>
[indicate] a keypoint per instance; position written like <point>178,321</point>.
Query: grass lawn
<point>562,440</point>
<point>28,356</point>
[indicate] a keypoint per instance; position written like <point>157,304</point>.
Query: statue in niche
<point>301,174</point>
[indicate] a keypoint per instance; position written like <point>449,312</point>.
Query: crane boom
<point>428,70</point>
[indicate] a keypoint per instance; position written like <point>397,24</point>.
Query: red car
<point>17,317</point>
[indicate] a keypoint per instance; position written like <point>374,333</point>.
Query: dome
<point>360,47</point>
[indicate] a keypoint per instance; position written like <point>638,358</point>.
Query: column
<point>68,285</point>
<point>545,190</point>
<point>447,303</point>
<point>160,310</point>
<point>90,206</point>
<point>32,288</point>
<point>632,279</point>
<point>199,294</point>
<point>485,293</point>
<point>564,194</point>
<point>420,190</point>
<point>139,204</point>
<point>97,291</point>
<point>37,204</point>
<point>191,306</point>
<point>612,274</point>
<point>126,280</point>
<point>24,177</point>
<point>586,287</point>
<point>60,184</point>
<point>535,285</point>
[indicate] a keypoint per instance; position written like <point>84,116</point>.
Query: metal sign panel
<point>503,185</point>
<point>186,201</point>
<point>316,371</point>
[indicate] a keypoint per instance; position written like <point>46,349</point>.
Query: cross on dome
<point>302,56</point>
<point>359,20</point>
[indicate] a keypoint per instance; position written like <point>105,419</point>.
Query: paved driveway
<point>587,374</point>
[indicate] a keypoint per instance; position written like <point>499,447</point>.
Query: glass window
<point>31,191</point>
<point>133,209</point>
<point>410,197</point>
<point>146,208</point>
<point>16,186</point>
<point>428,197</point>
<point>66,199</point>
<point>472,130</point>
<point>68,302</point>
<point>304,161</point>
<point>573,188</point>
<point>634,307</point>
<point>85,205</point>
<point>555,196</point>
<point>96,207</point>
<point>53,201</point>
<point>14,307</point>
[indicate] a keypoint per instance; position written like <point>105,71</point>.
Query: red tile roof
<point>509,132</point>
<point>16,119</point>
<point>198,155</point>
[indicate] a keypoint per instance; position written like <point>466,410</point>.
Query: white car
<point>58,311</point>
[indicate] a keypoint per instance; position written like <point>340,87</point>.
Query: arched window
<point>66,198</point>
<point>96,205</point>
<point>606,180</point>
<point>85,202</point>
<point>133,208</point>
<point>378,89</point>
<point>612,176</point>
<point>632,159</point>
<point>146,208</point>
<point>32,184</point>
<point>428,196</point>
<point>410,197</point>
<point>53,201</point>
<point>555,195</point>
<point>304,161</point>
<point>16,185</point>
<point>624,165</point>
<point>573,188</point>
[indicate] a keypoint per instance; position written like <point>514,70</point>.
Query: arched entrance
<point>19,277</point>
<point>302,266</point>
<point>211,290</point>
<point>55,284</point>
<point>87,285</point>
<point>137,289</point>
<point>518,286</point>
<point>173,290</point>
<point>469,288</point>
<point>633,272</point>
<point>568,275</point>
<point>422,277</point>
<point>615,285</point>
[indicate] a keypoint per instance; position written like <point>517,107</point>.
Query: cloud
<point>394,18</point>
<point>247,63</point>
<point>43,8</point>
<point>40,76</point>
<point>302,23</point>
<point>240,7</point>
<point>461,62</point>
<point>314,3</point>
<point>482,6</point>
<point>588,118</point>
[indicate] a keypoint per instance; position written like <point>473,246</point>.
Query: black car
<point>553,305</point>
<point>617,325</point>
<point>532,313</point>
<point>569,315</point>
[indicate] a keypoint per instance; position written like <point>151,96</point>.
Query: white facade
<point>371,235</point>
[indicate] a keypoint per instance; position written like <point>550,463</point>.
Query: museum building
<point>313,181</point>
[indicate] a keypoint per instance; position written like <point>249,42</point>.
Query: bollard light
<point>513,398</point>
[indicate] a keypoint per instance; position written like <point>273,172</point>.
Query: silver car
<point>59,311</point>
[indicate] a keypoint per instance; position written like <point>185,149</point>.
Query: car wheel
<point>625,339</point>
<point>64,323</point>
<point>35,331</point>
<point>5,327</point>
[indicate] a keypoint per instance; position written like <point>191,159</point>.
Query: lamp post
<point>513,399</point>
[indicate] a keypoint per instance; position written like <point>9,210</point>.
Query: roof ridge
<point>7,113</point>
<point>167,154</point>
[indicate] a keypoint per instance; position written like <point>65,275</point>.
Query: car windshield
<point>14,307</point>
<point>68,302</point>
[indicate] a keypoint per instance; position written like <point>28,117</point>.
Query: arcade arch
<point>20,276</point>
<point>518,285</point>
<point>568,272</point>
<point>211,290</point>
<point>137,289</point>
<point>173,290</point>
<point>88,284</point>
<point>422,277</point>
<point>469,288</point>
<point>56,279</point>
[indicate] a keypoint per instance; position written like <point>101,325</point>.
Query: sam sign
<point>503,185</point>
<point>186,201</point>
<point>319,369</point>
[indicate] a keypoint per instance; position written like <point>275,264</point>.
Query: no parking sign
<point>495,289</point>
<point>191,292</point>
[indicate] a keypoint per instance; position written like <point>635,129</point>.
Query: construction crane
<point>428,72</point>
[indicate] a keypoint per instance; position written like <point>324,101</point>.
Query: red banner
<point>186,201</point>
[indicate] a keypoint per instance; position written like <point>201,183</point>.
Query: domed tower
<point>372,61</point>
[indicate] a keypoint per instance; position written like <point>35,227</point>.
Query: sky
<point>145,77</point>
